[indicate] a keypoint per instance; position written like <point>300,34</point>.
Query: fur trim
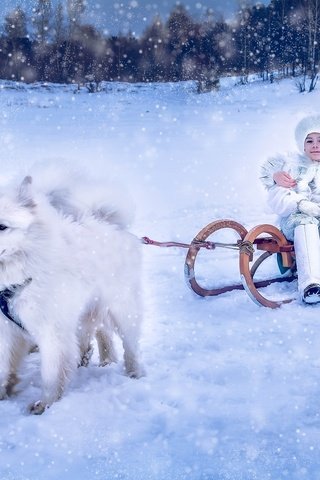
<point>268,168</point>
<point>290,162</point>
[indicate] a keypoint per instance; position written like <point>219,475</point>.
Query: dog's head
<point>17,214</point>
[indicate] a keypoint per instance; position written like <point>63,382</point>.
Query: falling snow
<point>232,389</point>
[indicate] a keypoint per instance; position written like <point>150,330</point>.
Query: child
<point>293,184</point>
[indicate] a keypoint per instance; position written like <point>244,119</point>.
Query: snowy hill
<point>232,389</point>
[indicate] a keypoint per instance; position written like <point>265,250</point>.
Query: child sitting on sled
<point>293,184</point>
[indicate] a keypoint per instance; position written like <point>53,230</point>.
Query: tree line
<point>56,45</point>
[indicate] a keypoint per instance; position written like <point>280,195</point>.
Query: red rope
<point>200,244</point>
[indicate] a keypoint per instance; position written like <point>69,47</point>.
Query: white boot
<point>307,252</point>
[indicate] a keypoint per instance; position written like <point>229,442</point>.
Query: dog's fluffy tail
<point>77,195</point>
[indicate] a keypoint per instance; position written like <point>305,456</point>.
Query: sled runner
<point>253,247</point>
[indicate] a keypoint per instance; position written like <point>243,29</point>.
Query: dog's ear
<point>25,193</point>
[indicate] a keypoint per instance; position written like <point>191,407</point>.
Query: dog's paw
<point>137,372</point>
<point>107,361</point>
<point>37,408</point>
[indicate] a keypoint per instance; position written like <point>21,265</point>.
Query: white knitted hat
<point>306,125</point>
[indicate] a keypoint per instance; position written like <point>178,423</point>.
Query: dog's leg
<point>128,328</point>
<point>96,321</point>
<point>6,347</point>
<point>13,347</point>
<point>84,339</point>
<point>107,353</point>
<point>131,358</point>
<point>85,355</point>
<point>21,349</point>
<point>58,362</point>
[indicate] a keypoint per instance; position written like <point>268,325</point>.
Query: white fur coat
<point>283,201</point>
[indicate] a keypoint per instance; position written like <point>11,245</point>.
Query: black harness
<point>5,297</point>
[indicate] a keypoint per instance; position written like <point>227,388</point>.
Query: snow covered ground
<point>232,390</point>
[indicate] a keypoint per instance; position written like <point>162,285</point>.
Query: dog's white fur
<point>85,280</point>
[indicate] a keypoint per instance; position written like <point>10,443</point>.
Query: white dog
<point>74,272</point>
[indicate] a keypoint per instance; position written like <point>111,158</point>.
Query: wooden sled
<point>265,238</point>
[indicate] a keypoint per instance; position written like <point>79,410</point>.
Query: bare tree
<point>75,9</point>
<point>58,24</point>
<point>41,19</point>
<point>244,30</point>
<point>313,35</point>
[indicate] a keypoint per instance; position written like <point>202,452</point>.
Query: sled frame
<point>265,238</point>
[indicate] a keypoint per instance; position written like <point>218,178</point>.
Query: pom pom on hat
<point>305,126</point>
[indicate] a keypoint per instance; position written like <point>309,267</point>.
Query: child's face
<point>312,146</point>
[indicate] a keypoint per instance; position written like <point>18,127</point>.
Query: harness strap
<point>198,243</point>
<point>5,296</point>
<point>195,243</point>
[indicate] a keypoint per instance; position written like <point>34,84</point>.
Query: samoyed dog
<point>72,271</point>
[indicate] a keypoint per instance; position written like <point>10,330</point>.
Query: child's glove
<point>309,208</point>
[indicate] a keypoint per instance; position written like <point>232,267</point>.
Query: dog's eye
<point>3,227</point>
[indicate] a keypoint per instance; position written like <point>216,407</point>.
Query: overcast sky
<point>116,16</point>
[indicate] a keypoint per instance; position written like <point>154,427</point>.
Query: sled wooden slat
<point>270,245</point>
<point>266,238</point>
<point>245,266</point>
<point>194,250</point>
